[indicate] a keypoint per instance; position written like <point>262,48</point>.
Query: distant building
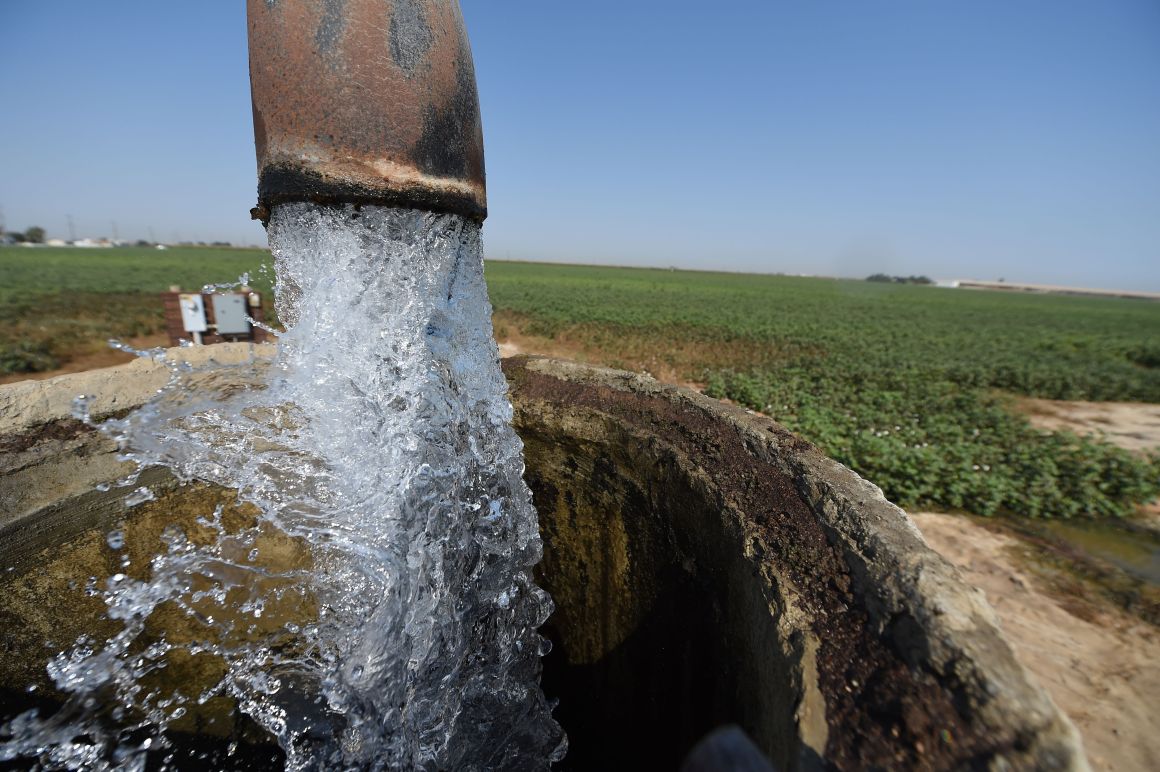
<point>1052,289</point>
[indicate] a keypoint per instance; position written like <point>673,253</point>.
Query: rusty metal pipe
<point>365,101</point>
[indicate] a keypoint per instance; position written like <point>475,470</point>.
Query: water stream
<point>378,444</point>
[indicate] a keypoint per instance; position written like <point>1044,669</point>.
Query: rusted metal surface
<point>365,101</point>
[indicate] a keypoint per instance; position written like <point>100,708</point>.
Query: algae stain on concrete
<point>51,604</point>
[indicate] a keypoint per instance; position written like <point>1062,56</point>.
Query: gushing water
<point>378,446</point>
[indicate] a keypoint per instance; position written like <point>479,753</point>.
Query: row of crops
<point>911,386</point>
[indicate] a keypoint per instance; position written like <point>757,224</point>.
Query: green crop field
<point>45,270</point>
<point>909,385</point>
<point>906,384</point>
<point>56,303</point>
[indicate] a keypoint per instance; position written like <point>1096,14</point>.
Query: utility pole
<point>72,229</point>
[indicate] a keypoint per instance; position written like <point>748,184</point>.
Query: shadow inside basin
<point>650,653</point>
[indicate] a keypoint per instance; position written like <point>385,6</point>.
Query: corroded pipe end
<point>365,101</point>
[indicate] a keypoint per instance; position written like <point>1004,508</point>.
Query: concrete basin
<point>708,568</point>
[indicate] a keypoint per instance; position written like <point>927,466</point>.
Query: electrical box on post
<point>213,317</point>
<point>192,313</point>
<point>229,314</point>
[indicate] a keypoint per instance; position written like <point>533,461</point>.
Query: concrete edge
<point>28,404</point>
<point>896,572</point>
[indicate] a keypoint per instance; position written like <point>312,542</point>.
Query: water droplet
<point>139,496</point>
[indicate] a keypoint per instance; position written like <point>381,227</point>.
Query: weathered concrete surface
<point>44,610</point>
<point>28,404</point>
<point>708,568</point>
<point>47,457</point>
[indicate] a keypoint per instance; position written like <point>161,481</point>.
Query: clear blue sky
<point>979,138</point>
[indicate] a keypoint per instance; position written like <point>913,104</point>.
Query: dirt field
<point>102,357</point>
<point>1133,426</point>
<point>1103,671</point>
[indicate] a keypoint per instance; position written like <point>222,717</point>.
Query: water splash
<point>379,443</point>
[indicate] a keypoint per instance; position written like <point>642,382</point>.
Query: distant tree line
<point>33,235</point>
<point>37,235</point>
<point>882,277</point>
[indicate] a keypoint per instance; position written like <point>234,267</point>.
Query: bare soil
<point>100,357</point>
<point>1101,667</point>
<point>638,354</point>
<point>1134,426</point>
